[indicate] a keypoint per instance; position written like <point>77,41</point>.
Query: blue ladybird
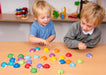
<point>72,64</point>
<point>16,65</point>
<point>37,48</point>
<point>62,61</point>
<point>3,64</point>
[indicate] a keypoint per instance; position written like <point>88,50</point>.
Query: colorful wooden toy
<point>55,13</point>
<point>46,49</point>
<point>16,65</point>
<point>61,57</point>
<point>79,61</point>
<point>11,63</point>
<point>10,55</point>
<point>53,58</point>
<point>3,64</point>
<point>0,9</point>
<point>21,62</point>
<point>43,58</point>
<point>68,61</point>
<point>62,16</point>
<point>32,50</point>
<point>56,50</point>
<point>39,66</point>
<point>72,16</point>
<point>27,66</point>
<point>27,57</point>
<point>60,71</point>
<point>29,62</point>
<point>72,64</point>
<point>36,56</point>
<point>89,55</point>
<point>76,13</point>
<point>64,12</point>
<point>68,54</point>
<point>46,66</point>
<point>62,61</point>
<point>22,12</point>
<point>33,70</point>
<point>20,55</point>
<point>18,12</point>
<point>37,48</point>
<point>12,60</point>
<point>51,54</point>
<point>20,58</point>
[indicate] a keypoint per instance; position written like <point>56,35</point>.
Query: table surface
<point>90,66</point>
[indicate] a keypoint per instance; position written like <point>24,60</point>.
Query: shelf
<point>65,20</point>
<point>13,18</point>
<point>30,19</point>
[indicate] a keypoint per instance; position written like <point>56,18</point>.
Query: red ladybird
<point>46,66</point>
<point>27,66</point>
<point>68,54</point>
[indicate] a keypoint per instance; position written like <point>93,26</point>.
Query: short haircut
<point>93,12</point>
<point>40,7</point>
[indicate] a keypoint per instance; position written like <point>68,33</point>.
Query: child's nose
<point>85,27</point>
<point>46,19</point>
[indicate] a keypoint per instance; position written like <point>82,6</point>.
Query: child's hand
<point>43,42</point>
<point>49,43</point>
<point>82,46</point>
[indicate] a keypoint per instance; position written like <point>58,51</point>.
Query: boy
<point>85,33</point>
<point>42,30</point>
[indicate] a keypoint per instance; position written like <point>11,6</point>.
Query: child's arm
<point>51,38</point>
<point>70,38</point>
<point>71,43</point>
<point>52,33</point>
<point>34,39</point>
<point>94,41</point>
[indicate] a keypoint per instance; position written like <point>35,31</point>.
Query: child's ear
<point>35,17</point>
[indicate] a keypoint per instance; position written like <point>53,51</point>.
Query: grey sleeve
<point>69,38</point>
<point>94,41</point>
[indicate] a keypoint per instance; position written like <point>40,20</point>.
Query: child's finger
<point>49,45</point>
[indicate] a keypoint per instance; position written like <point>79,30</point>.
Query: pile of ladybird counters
<point>28,63</point>
<point>21,61</point>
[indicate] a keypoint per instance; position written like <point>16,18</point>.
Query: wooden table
<point>90,66</point>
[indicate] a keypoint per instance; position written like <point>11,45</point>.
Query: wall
<point>13,31</point>
<point>69,4</point>
<point>9,6</point>
<point>10,31</point>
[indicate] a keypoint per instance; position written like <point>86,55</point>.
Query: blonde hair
<point>93,12</point>
<point>40,7</point>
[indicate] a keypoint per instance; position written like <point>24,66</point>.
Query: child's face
<point>44,18</point>
<point>86,26</point>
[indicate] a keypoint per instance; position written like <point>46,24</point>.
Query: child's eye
<point>83,23</point>
<point>42,17</point>
<point>89,26</point>
<point>48,16</point>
